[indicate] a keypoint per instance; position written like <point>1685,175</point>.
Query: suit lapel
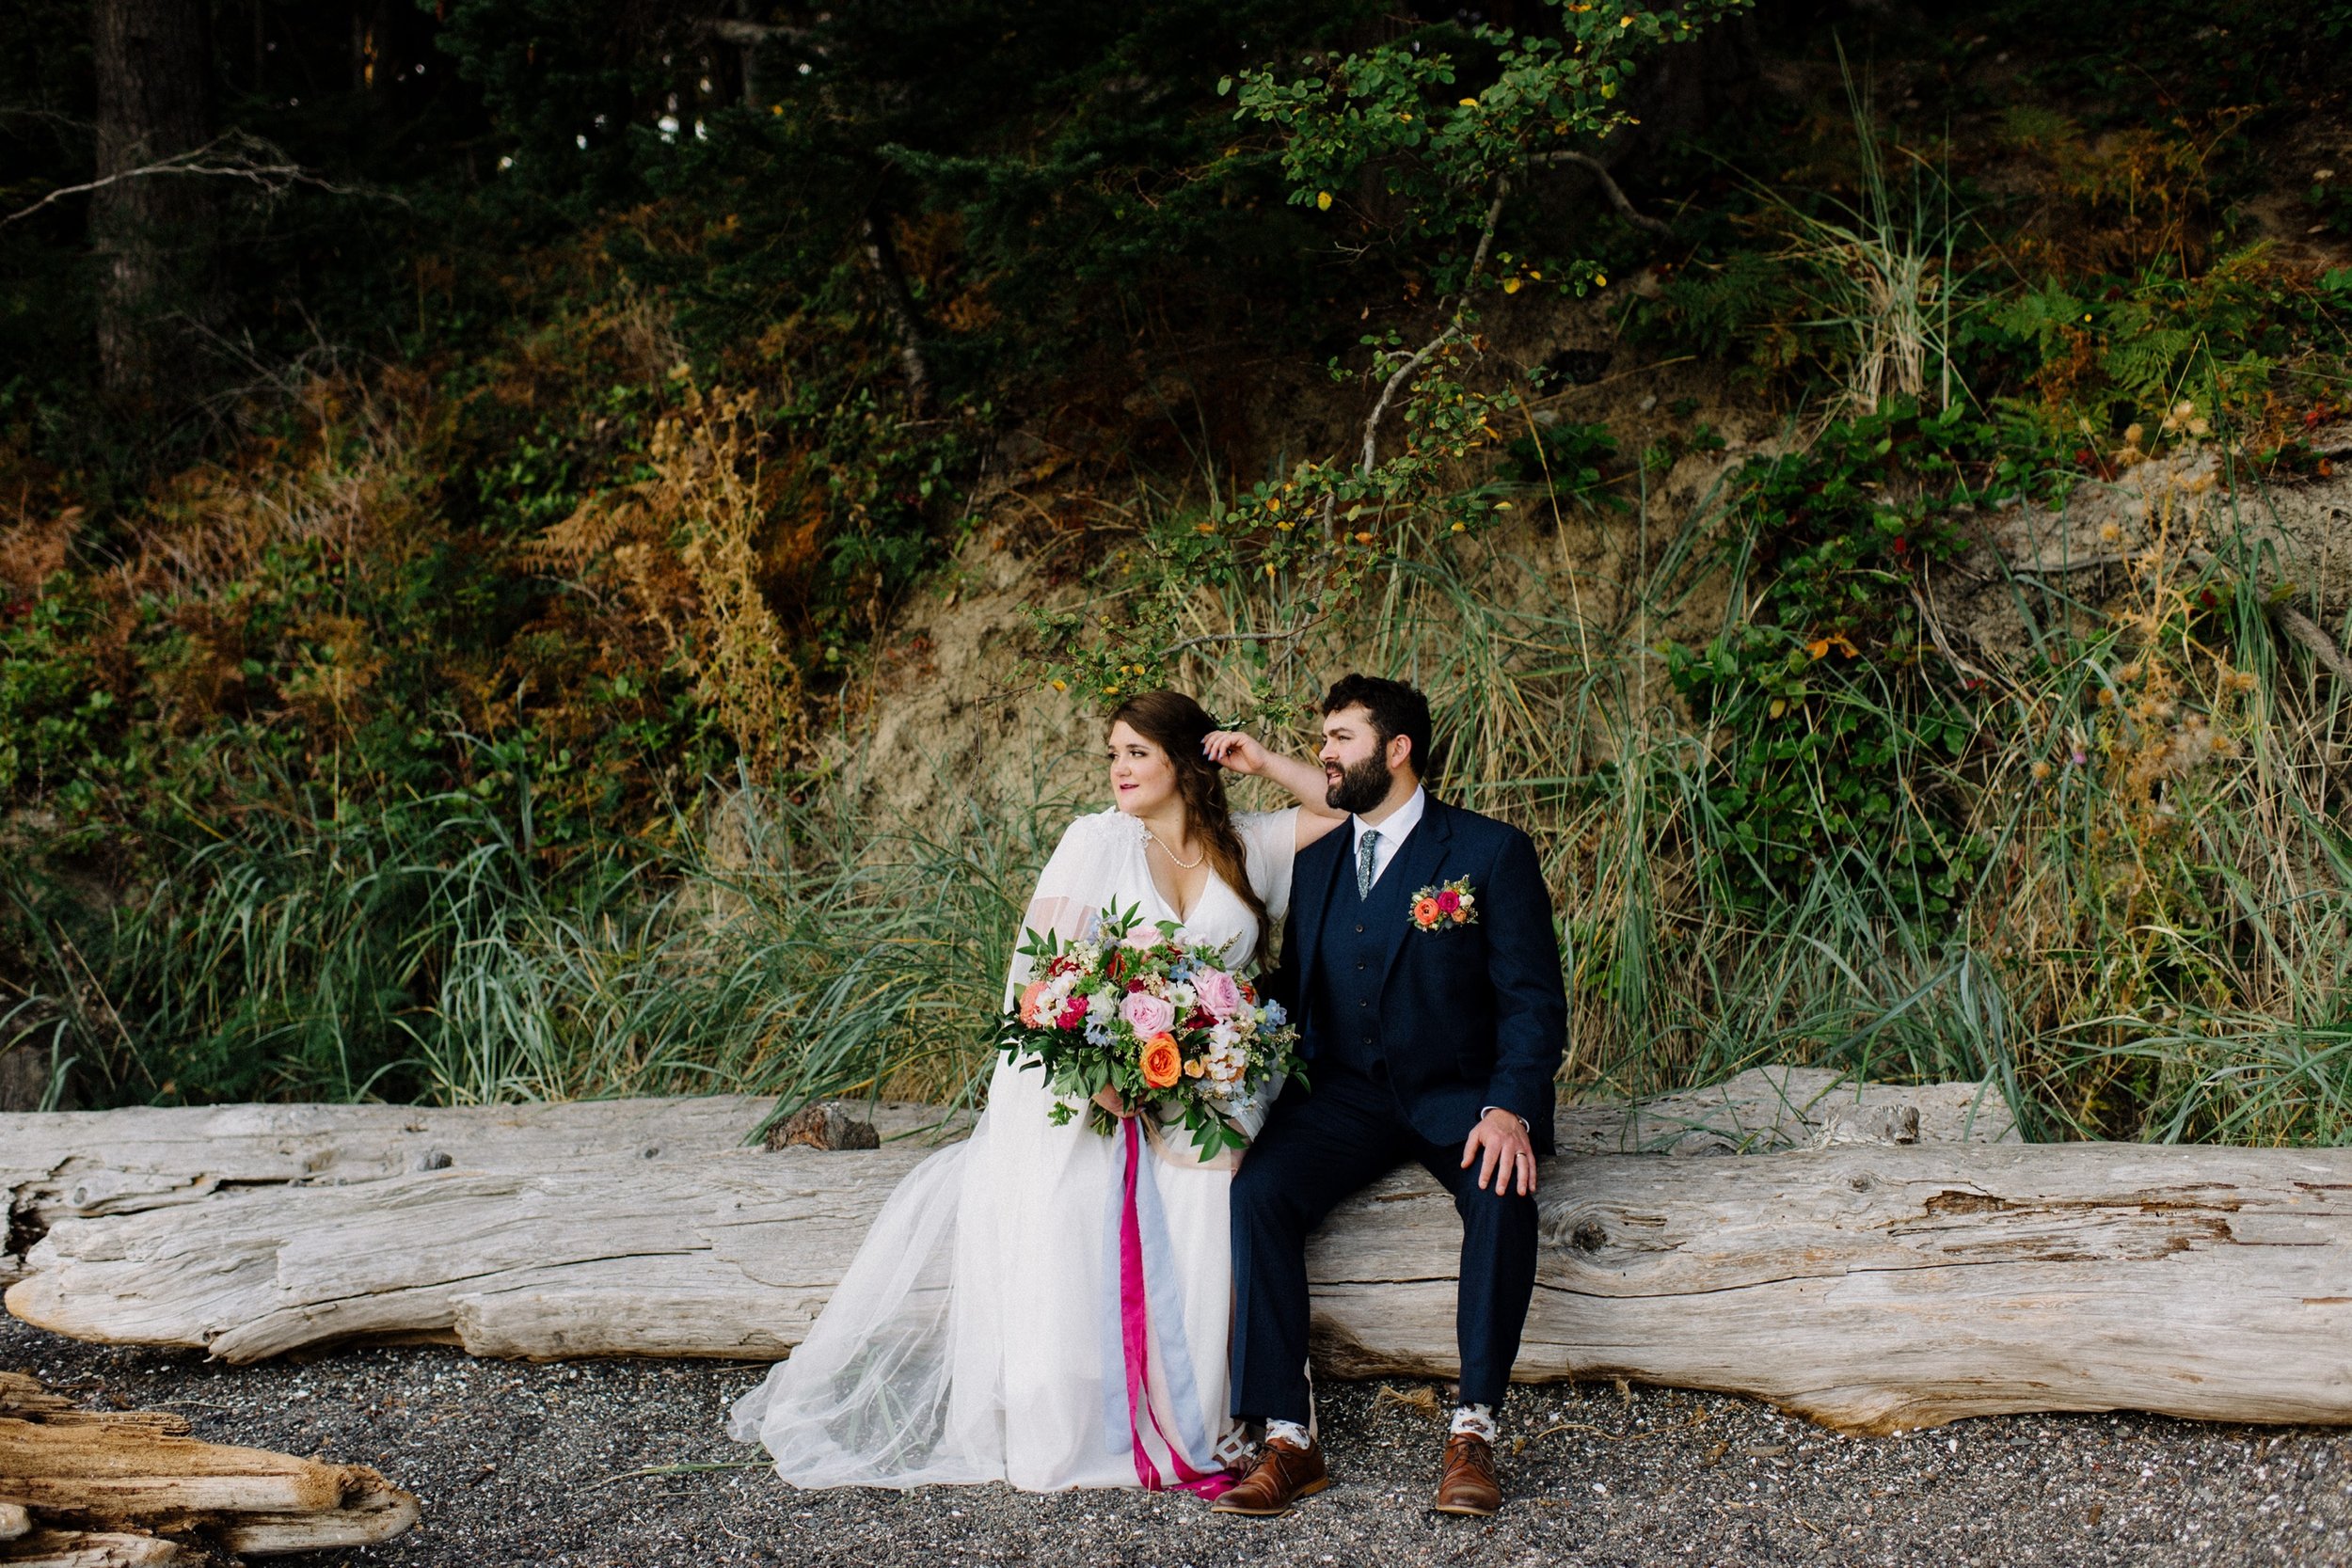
<point>1312,901</point>
<point>1415,866</point>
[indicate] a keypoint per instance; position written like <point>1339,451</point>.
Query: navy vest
<point>1353,944</point>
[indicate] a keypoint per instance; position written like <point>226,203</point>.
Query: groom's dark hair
<point>1395,709</point>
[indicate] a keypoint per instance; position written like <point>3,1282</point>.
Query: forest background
<point>578,549</point>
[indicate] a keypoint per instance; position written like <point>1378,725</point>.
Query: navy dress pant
<point>1317,1149</point>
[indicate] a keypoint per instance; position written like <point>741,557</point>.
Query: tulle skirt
<point>977,1335</point>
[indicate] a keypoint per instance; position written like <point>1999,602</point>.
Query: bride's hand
<point>1112,1101</point>
<point>1232,748</point>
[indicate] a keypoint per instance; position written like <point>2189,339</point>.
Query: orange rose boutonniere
<point>1448,903</point>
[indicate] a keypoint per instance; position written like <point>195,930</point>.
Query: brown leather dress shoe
<point>1285,1473</point>
<point>1469,1486</point>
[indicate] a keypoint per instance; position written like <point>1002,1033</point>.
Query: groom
<point>1421,962</point>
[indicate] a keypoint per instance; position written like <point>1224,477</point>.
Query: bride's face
<point>1142,778</point>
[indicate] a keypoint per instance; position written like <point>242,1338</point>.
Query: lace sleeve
<point>1269,839</point>
<point>1066,901</point>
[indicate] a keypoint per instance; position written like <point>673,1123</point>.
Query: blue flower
<point>1099,1036</point>
<point>1276,1015</point>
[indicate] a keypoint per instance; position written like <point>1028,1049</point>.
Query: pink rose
<point>1217,991</point>
<point>1146,1014</point>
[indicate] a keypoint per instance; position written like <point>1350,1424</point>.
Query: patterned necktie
<point>1365,848</point>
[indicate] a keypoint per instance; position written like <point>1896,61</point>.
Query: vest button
<point>1359,930</point>
<point>1360,963</point>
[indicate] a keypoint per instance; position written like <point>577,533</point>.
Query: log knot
<point>825,1125</point>
<point>1951,1201</point>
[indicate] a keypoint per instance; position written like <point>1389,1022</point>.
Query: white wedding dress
<point>977,1335</point>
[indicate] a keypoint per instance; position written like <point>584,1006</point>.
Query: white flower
<point>1101,1009</point>
<point>1185,997</point>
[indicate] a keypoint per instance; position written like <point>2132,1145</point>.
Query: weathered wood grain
<point>85,1164</point>
<point>99,1487</point>
<point>1877,1288</point>
<point>1870,1284</point>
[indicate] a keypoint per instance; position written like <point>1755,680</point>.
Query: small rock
<point>24,1078</point>
<point>1873,1124</point>
<point>826,1124</point>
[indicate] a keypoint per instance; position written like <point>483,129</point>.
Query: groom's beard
<point>1360,787</point>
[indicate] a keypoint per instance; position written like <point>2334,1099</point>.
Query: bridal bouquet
<point>1132,1009</point>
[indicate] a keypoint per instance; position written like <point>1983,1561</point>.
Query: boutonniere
<point>1450,904</point>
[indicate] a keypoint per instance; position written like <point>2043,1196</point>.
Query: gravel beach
<point>519,1463</point>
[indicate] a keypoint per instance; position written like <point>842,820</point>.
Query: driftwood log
<point>1877,1257</point>
<point>97,1488</point>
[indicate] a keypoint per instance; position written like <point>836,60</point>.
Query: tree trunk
<point>156,236</point>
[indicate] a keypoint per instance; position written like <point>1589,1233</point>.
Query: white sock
<point>1476,1419</point>
<point>1289,1432</point>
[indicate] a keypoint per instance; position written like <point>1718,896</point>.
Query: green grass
<point>2163,961</point>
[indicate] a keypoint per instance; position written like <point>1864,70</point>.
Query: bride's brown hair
<point>1177,725</point>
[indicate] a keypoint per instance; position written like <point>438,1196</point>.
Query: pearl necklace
<point>1188,866</point>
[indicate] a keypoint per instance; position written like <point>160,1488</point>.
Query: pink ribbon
<point>1135,1344</point>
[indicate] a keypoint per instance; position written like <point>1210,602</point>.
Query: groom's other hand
<point>1506,1158</point>
<point>1232,748</point>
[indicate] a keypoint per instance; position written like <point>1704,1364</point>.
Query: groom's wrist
<point>1525,1125</point>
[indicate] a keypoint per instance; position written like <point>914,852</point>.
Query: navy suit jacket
<point>1471,1016</point>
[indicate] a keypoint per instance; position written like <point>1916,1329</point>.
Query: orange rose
<point>1426,913</point>
<point>1163,1064</point>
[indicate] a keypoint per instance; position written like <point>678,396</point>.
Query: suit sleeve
<point>1523,966</point>
<point>1281,982</point>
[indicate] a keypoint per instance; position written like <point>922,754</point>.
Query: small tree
<point>1427,151</point>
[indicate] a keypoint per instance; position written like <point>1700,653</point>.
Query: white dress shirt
<point>1393,831</point>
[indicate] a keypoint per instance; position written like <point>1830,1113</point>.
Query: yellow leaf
<point>1503,506</point>
<point>1779,708</point>
<point>1600,281</point>
<point>1466,104</point>
<point>1323,200</point>
<point>1510,285</point>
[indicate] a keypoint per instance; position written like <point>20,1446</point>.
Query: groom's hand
<point>1232,748</point>
<point>1500,1145</point>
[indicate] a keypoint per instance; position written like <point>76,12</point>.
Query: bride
<point>995,1324</point>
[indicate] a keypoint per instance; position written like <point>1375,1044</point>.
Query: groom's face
<point>1356,772</point>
